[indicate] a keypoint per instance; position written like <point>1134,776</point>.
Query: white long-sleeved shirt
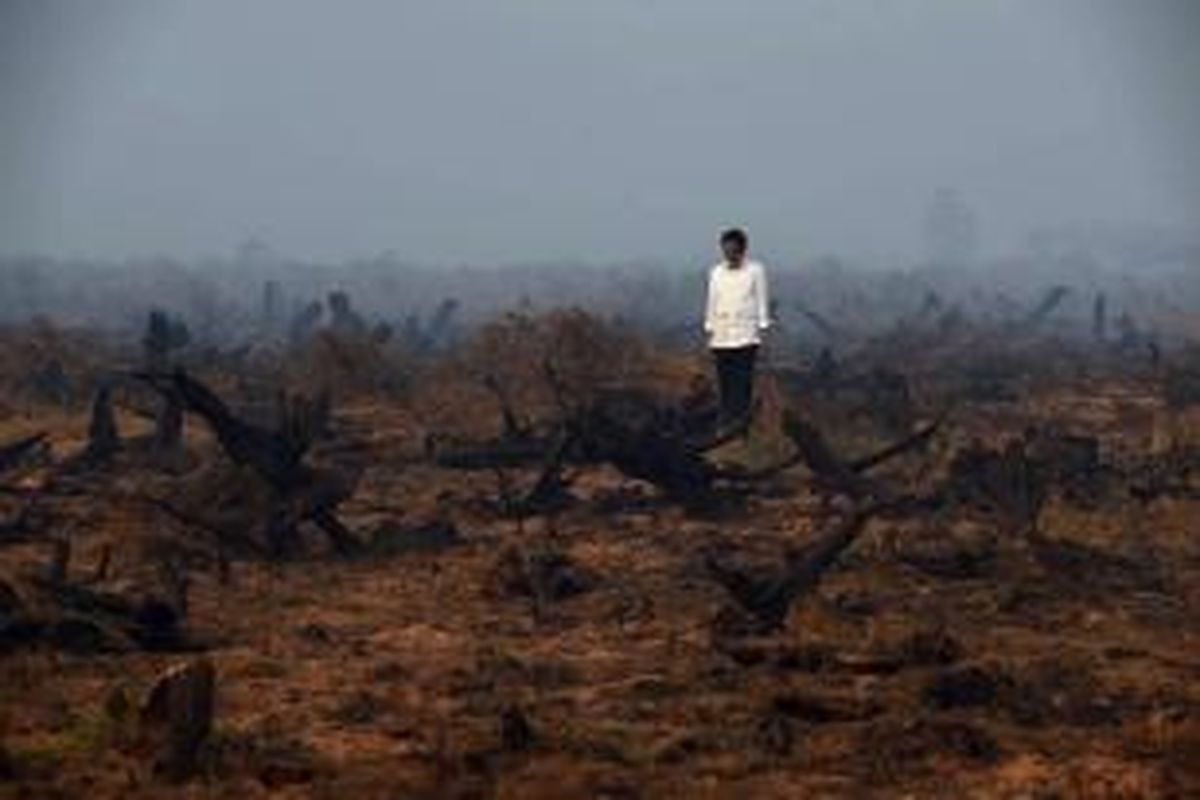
<point>737,311</point>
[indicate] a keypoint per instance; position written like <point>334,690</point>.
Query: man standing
<point>735,319</point>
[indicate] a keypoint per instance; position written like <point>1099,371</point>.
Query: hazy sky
<point>501,130</point>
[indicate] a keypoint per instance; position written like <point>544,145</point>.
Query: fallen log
<point>52,611</point>
<point>625,428</point>
<point>502,453</point>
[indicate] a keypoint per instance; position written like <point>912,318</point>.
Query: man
<point>735,319</point>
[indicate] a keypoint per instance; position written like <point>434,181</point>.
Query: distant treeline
<point>254,291</point>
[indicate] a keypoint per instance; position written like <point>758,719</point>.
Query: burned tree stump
<point>104,440</point>
<point>163,335</point>
<point>177,717</point>
<point>1003,483</point>
<point>517,734</point>
<point>1100,318</point>
<point>1014,482</point>
<point>60,562</point>
<point>304,323</point>
<point>167,438</point>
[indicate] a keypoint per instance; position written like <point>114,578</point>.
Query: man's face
<point>734,252</point>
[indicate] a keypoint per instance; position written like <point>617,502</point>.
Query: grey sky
<point>502,130</point>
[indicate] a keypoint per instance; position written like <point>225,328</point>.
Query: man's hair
<point>735,236</point>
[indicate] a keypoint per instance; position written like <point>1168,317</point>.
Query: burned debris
<point>176,718</point>
<point>80,615</point>
<point>767,599</point>
<point>103,437</point>
<point>945,558</point>
<point>164,335</point>
<point>298,492</point>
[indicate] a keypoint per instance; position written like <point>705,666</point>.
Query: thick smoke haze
<point>536,130</point>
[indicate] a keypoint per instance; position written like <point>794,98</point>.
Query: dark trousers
<point>735,380</point>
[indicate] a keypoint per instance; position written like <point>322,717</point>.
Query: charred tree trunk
<point>104,439</point>
<point>168,426</point>
<point>177,717</point>
<point>1100,318</point>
